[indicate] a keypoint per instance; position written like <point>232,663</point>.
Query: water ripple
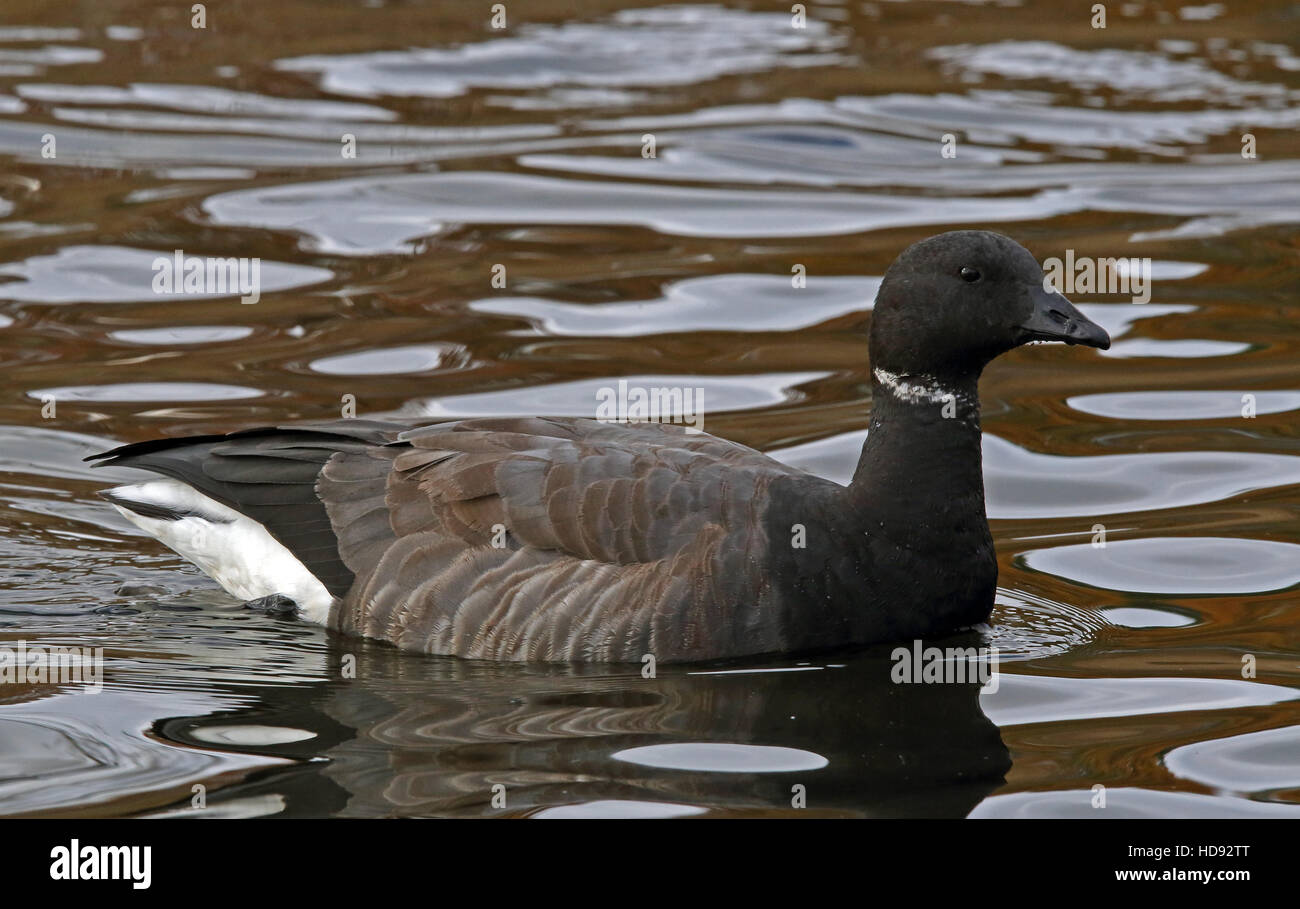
<point>664,46</point>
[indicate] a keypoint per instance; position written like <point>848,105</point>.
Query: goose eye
<point>969,275</point>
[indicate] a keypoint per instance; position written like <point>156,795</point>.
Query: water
<point>774,148</point>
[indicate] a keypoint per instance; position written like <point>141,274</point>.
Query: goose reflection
<point>414,736</point>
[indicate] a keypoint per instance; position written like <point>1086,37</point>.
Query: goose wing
<point>559,539</point>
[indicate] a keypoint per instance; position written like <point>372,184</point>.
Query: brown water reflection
<point>775,147</point>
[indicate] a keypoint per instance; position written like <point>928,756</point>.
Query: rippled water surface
<point>775,147</point>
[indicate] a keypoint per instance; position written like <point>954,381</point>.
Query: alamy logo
<point>1089,275</point>
<point>39,665</point>
<point>208,276</point>
<point>637,404</point>
<point>921,665</point>
<point>76,862</point>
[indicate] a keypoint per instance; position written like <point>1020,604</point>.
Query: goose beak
<point>1055,318</point>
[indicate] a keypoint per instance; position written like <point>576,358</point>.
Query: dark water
<point>775,147</point>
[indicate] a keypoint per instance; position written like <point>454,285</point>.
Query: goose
<point>576,540</point>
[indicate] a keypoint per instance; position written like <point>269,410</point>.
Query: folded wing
<point>552,539</point>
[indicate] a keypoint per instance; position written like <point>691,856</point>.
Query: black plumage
<point>576,540</point>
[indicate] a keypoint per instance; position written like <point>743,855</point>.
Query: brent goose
<point>577,540</point>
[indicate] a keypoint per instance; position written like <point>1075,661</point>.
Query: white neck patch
<point>915,389</point>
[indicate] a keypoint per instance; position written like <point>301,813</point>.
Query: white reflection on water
<point>722,757</point>
<point>671,45</point>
